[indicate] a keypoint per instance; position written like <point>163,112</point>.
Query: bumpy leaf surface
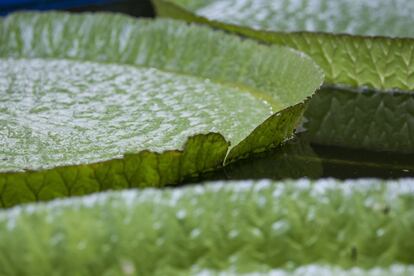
<point>321,29</point>
<point>73,113</point>
<point>147,103</point>
<point>360,227</point>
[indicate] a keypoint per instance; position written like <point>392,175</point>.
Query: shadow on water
<point>298,158</point>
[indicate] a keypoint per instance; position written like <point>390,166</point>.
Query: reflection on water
<point>362,118</point>
<point>298,158</point>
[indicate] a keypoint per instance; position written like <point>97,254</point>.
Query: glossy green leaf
<point>147,103</point>
<point>358,227</point>
<point>359,44</point>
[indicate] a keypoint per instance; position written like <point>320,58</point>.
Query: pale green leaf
<point>98,101</point>
<point>347,39</point>
<point>358,227</point>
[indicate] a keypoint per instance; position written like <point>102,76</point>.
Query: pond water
<point>131,7</point>
<point>299,158</point>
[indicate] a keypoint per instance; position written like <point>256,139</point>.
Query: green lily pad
<point>360,45</point>
<point>147,103</point>
<point>347,39</point>
<point>101,111</point>
<point>363,227</point>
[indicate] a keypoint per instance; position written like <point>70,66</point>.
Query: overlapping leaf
<point>320,29</point>
<point>146,103</point>
<point>359,44</point>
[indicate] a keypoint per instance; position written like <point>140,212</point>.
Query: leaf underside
<point>226,226</point>
<point>93,92</point>
<point>362,44</point>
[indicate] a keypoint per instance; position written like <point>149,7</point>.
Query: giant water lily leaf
<point>339,35</point>
<point>325,227</point>
<point>359,44</point>
<point>95,102</point>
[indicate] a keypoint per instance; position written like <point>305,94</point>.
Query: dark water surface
<point>298,158</point>
<point>139,8</point>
